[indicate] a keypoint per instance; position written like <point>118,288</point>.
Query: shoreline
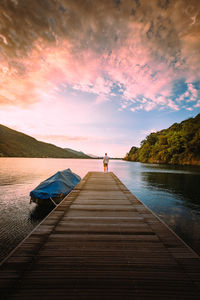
<point>166,164</point>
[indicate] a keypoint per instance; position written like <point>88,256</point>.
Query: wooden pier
<point>101,243</point>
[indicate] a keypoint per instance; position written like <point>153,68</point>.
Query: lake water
<point>172,192</point>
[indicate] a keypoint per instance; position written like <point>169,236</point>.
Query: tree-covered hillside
<point>179,144</point>
<point>17,144</point>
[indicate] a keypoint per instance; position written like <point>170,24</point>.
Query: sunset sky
<point>98,75</point>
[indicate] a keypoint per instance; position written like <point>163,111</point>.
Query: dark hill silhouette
<point>17,144</point>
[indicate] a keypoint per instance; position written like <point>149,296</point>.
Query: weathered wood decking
<point>101,242</point>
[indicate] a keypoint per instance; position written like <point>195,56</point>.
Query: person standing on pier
<point>105,162</point>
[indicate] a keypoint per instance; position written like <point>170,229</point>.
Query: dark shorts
<point>105,165</point>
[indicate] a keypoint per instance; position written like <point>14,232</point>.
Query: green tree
<point>178,144</point>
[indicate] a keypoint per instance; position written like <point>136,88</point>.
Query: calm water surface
<point>173,193</point>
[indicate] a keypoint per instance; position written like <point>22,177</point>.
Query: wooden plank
<point>101,242</point>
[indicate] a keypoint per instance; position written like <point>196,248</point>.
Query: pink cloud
<point>192,90</point>
<point>61,138</point>
<point>101,51</point>
<point>197,104</point>
<point>190,94</point>
<point>172,105</point>
<point>130,65</point>
<point>4,39</point>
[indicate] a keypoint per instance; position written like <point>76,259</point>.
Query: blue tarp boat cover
<point>60,183</point>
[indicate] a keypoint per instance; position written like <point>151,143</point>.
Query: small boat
<point>55,188</point>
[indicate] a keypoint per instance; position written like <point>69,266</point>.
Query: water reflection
<point>172,192</point>
<point>171,168</point>
<point>175,197</point>
<point>185,186</point>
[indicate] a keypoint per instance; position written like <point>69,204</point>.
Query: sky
<point>98,75</point>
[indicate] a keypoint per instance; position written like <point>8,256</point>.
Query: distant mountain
<point>92,156</point>
<point>78,153</point>
<point>179,144</point>
<point>16,144</point>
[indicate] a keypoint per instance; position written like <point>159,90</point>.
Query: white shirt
<point>105,159</point>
